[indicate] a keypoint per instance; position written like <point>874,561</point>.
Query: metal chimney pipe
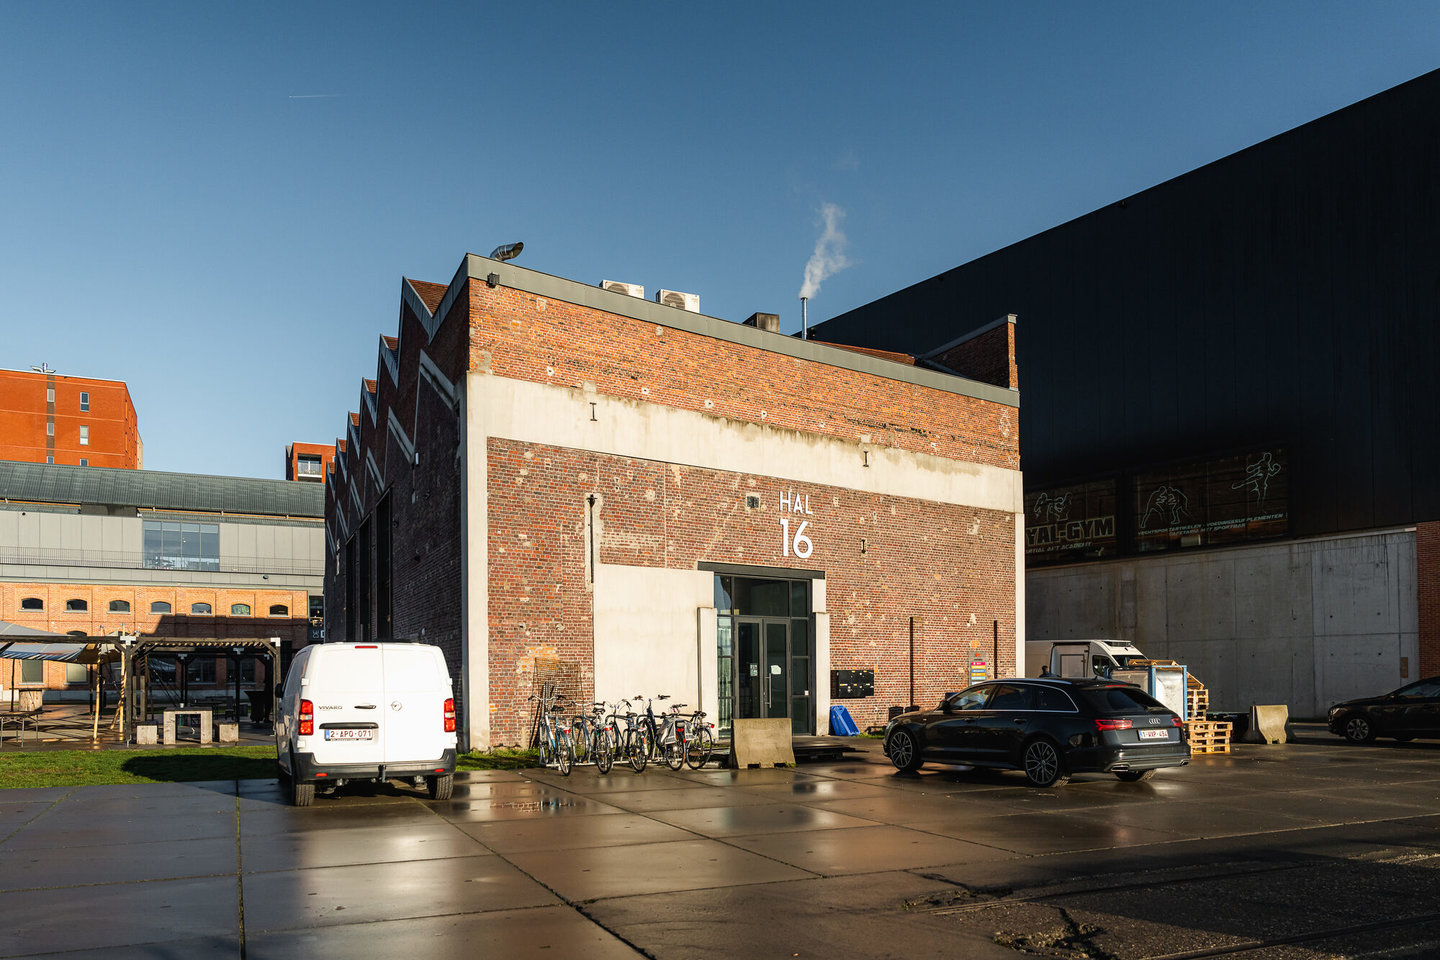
<point>804,320</point>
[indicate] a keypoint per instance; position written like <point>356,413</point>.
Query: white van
<point>366,711</point>
<point>1078,658</point>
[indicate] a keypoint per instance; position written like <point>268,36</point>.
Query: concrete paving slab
<point>547,803</point>
<point>44,866</point>
<point>208,947</point>
<point>690,798</point>
<point>758,818</point>
<point>813,789</point>
<point>590,873</point>
<point>269,818</point>
<point>432,840</point>
<point>525,836</point>
<point>865,849</point>
<point>327,896</point>
<point>857,918</point>
<point>1043,833</point>
<point>553,933</point>
<point>118,915</point>
<point>895,807</point>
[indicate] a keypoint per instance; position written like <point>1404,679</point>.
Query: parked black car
<point>1410,712</point>
<point>1050,728</point>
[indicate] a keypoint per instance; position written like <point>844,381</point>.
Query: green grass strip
<point>77,768</point>
<point>72,768</point>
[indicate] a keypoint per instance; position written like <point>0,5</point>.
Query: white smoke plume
<point>829,256</point>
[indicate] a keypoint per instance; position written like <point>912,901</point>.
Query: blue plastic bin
<point>840,723</point>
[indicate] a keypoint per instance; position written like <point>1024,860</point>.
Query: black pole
<point>911,703</point>
<point>995,657</point>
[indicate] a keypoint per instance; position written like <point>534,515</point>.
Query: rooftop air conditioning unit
<point>629,289</point>
<point>684,301</point>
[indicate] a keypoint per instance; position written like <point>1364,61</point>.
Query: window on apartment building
<point>160,606</point>
<point>84,462</point>
<point>201,671</point>
<point>84,436</point>
<point>307,465</point>
<point>32,603</point>
<point>49,459</point>
<point>50,428</point>
<point>119,606</point>
<point>76,605</point>
<point>171,545</point>
<point>84,402</point>
<point>279,610</point>
<point>49,394</point>
<point>239,609</point>
<point>76,673</point>
<point>200,608</point>
<point>32,671</point>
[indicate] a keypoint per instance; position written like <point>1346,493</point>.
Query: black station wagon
<point>1049,728</point>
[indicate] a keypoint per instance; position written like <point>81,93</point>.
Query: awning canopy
<point>68,652</point>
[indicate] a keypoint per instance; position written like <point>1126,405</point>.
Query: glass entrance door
<point>762,657</point>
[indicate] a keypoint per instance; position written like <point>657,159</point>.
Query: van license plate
<point>365,734</point>
<point>1154,734</point>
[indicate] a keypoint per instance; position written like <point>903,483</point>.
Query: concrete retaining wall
<point>1305,623</point>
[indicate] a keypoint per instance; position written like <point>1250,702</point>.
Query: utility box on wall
<point>851,684</point>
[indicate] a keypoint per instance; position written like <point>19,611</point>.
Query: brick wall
<point>520,335</point>
<point>99,620</point>
<point>950,567</point>
<point>989,356</point>
<point>1427,563</point>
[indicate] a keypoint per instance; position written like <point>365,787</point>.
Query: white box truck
<point>366,711</point>
<point>1079,658</point>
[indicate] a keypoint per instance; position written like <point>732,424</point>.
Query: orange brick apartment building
<point>49,418</point>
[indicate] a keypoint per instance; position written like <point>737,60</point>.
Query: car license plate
<point>361,733</point>
<point>1154,734</point>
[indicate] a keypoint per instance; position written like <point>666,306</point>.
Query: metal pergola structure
<point>137,650</point>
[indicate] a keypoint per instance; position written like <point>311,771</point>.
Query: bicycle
<point>634,743</point>
<point>552,740</point>
<point>593,738</point>
<point>669,737</point>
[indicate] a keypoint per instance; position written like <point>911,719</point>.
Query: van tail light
<point>449,714</point>
<point>307,719</point>
<point>1112,723</point>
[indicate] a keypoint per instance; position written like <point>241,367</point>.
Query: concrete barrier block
<point>147,733</point>
<point>227,732</point>
<point>761,743</point>
<point>1267,723</point>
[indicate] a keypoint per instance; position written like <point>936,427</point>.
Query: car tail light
<point>1113,723</point>
<point>1177,722</point>
<point>307,719</point>
<point>449,714</point>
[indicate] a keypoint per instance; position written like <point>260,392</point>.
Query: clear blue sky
<point>216,202</point>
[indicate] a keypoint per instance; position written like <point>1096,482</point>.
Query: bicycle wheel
<point>637,750</point>
<point>580,727</point>
<point>603,750</point>
<point>562,754</point>
<point>675,754</point>
<point>702,745</point>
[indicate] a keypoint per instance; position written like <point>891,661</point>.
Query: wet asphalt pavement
<point>1305,850</point>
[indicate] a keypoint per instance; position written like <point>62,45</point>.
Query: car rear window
<point>1122,699</point>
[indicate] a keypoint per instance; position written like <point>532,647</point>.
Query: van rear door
<point>348,692</point>
<point>416,686</point>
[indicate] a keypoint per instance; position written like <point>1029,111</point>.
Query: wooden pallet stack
<point>1208,736</point>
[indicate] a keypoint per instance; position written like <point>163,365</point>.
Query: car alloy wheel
<point>1043,765</point>
<point>903,752</point>
<point>1358,729</point>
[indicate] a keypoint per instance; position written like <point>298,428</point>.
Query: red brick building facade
<point>555,481</point>
<point>48,418</point>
